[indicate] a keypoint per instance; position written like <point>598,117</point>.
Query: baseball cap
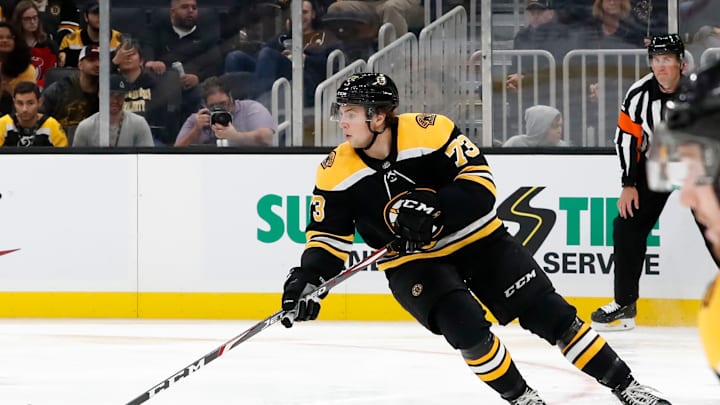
<point>545,4</point>
<point>90,49</point>
<point>118,84</point>
<point>91,6</point>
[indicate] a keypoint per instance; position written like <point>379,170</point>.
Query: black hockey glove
<point>298,283</point>
<point>416,219</point>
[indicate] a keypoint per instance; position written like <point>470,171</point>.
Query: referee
<point>639,207</point>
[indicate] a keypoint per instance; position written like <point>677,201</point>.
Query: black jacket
<point>198,51</point>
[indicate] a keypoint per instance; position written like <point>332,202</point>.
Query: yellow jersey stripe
<point>337,253</point>
<point>480,168</point>
<point>486,357</point>
<point>488,184</point>
<point>500,371</point>
<point>484,231</point>
<point>584,328</point>
<point>591,351</point>
<point>314,234</point>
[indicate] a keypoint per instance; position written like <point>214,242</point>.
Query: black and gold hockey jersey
<point>354,191</point>
<point>48,132</point>
<point>74,42</point>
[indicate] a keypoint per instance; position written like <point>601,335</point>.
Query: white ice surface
<point>96,362</point>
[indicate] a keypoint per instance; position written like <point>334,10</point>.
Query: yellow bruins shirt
<point>48,133</point>
<point>354,191</point>
<point>74,42</point>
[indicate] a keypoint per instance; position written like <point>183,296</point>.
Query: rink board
<point>212,236</point>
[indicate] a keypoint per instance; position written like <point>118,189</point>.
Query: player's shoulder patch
<point>340,169</point>
<point>425,120</point>
<point>422,131</point>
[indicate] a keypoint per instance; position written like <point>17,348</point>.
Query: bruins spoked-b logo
<point>392,209</point>
<point>416,290</point>
<point>425,120</point>
<point>328,161</point>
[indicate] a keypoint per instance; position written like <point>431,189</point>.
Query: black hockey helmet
<point>691,125</point>
<point>370,90</point>
<point>666,44</point>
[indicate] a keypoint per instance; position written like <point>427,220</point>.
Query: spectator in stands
<point>250,125</point>
<point>274,61</point>
<point>180,39</point>
<point>73,43</point>
<point>404,15</point>
<point>612,27</point>
<point>543,32</point>
<point>651,17</point>
<point>706,37</point>
<point>26,126</point>
<point>248,24</point>
<point>58,17</point>
<point>126,128</point>
<point>148,94</point>
<point>74,98</point>
<point>16,66</point>
<point>43,50</point>
<point>544,126</point>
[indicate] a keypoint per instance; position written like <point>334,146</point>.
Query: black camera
<point>219,115</point>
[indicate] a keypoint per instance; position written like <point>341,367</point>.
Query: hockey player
<point>639,208</point>
<point>709,325</point>
<point>415,180</point>
<point>688,155</point>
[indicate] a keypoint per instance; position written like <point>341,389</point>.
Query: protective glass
<point>675,155</point>
<point>352,116</point>
<point>666,60</point>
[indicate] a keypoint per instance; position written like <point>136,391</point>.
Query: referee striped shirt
<point>643,107</point>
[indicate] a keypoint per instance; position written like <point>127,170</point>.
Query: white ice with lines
<point>96,362</point>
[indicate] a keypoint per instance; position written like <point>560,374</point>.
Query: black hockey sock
<point>590,353</point>
<point>492,363</point>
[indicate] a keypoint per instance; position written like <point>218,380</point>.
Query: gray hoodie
<point>537,120</point>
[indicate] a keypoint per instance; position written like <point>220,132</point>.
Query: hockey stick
<point>259,327</point>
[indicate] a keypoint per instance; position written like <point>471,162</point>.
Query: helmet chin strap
<point>375,135</point>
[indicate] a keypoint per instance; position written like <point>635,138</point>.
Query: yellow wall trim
<point>356,307</point>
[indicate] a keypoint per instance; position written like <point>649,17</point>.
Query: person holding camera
<point>225,121</point>
<point>26,126</point>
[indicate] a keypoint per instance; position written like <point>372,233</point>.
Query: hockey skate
<point>529,397</point>
<point>632,393</point>
<point>613,317</point>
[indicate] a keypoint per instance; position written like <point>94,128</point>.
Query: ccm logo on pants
<point>520,283</point>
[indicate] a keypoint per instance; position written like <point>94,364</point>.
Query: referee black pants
<point>630,239</point>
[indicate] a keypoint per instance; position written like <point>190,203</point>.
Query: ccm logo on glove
<point>414,218</point>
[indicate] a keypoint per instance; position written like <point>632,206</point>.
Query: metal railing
<point>612,72</point>
<point>386,35</point>
<point>399,60</point>
<point>283,127</point>
<point>541,75</point>
<point>442,65</point>
<point>709,55</point>
<point>336,56</point>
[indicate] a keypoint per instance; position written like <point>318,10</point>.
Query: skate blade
<point>614,326</point>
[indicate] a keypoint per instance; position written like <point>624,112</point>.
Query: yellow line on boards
<point>356,307</point>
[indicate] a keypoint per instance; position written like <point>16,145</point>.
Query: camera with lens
<point>219,115</point>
